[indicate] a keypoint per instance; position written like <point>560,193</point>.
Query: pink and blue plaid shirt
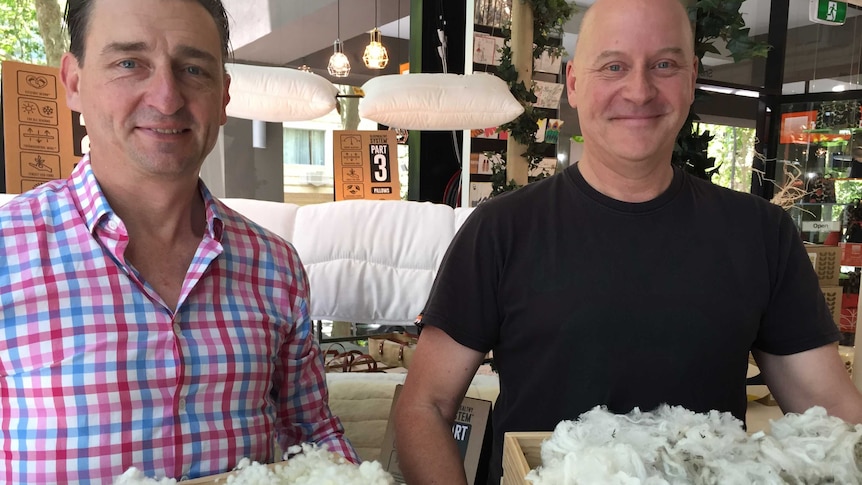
<point>98,375</point>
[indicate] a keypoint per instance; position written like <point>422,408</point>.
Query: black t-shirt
<point>587,300</point>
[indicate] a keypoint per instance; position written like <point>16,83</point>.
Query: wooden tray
<point>522,451</point>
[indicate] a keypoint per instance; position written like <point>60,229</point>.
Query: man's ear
<point>570,84</point>
<point>694,72</point>
<point>70,76</point>
<point>225,98</point>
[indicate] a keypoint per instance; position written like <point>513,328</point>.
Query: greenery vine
<point>549,17</point>
<point>713,20</point>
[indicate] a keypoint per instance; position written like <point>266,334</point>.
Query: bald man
<point>622,281</point>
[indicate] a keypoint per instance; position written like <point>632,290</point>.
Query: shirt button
<point>178,330</point>
<point>112,225</point>
<point>182,403</point>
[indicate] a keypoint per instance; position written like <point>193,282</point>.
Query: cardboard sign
<point>44,138</point>
<point>366,165</point>
<point>471,431</point>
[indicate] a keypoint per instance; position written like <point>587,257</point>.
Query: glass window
<point>304,147</point>
<point>820,155</point>
<point>733,149</point>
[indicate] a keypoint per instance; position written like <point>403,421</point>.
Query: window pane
<point>822,58</point>
<point>733,149</point>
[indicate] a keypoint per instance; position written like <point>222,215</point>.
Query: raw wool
<point>308,465</point>
<point>311,465</point>
<point>672,445</point>
<point>133,476</point>
<point>815,448</point>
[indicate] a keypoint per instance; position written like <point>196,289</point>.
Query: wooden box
<point>826,261</point>
<point>522,451</point>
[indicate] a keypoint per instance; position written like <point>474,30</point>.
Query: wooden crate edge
<point>522,451</point>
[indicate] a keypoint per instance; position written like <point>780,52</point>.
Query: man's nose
<point>640,87</point>
<point>165,92</point>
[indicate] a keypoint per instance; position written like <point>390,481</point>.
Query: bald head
<point>632,82</point>
<point>656,13</point>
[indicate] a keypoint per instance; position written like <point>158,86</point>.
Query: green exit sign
<point>828,12</point>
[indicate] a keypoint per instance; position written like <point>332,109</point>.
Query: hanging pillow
<point>278,94</point>
<point>436,101</point>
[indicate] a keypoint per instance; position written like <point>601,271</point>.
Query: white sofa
<point>367,262</point>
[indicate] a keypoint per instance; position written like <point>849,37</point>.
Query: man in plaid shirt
<point>144,323</point>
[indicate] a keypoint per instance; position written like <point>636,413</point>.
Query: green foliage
<point>19,32</point>
<point>691,151</point>
<point>713,19</point>
<point>549,16</point>
<point>499,184</point>
<point>733,147</point>
<point>720,19</point>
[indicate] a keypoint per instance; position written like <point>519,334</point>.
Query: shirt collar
<point>94,207</point>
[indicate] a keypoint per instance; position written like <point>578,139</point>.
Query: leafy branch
<point>713,20</point>
<point>549,16</point>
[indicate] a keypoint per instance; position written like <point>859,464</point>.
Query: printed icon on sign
<point>353,191</point>
<point>36,81</point>
<point>29,107</point>
<point>351,174</point>
<point>39,164</point>
<point>351,158</point>
<point>39,138</point>
<point>35,84</point>
<point>351,142</point>
<point>41,111</point>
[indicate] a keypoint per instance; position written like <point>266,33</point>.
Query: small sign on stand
<point>472,433</point>
<point>366,165</point>
<point>44,139</point>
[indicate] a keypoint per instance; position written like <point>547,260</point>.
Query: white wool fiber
<point>310,465</point>
<point>673,445</point>
<point>133,476</point>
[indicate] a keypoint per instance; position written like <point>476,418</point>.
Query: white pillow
<point>278,94</point>
<point>437,101</point>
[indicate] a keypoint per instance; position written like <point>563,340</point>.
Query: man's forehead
<point>187,35</point>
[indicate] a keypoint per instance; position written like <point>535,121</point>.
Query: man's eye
<point>615,68</point>
<point>128,64</point>
<point>663,65</point>
<point>194,70</point>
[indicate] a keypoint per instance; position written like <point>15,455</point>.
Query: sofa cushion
<point>6,198</point>
<point>278,217</point>
<point>372,261</point>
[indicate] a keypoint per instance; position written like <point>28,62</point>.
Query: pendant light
<point>304,67</point>
<point>339,65</point>
<point>375,56</point>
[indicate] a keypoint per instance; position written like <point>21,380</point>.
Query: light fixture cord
<point>338,20</point>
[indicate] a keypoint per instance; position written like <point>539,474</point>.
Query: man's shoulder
<point>719,193</point>
<point>250,233</point>
<point>527,198</point>
<point>38,203</point>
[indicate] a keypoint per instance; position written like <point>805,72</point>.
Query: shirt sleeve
<point>797,318</point>
<point>463,300</point>
<point>303,400</point>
